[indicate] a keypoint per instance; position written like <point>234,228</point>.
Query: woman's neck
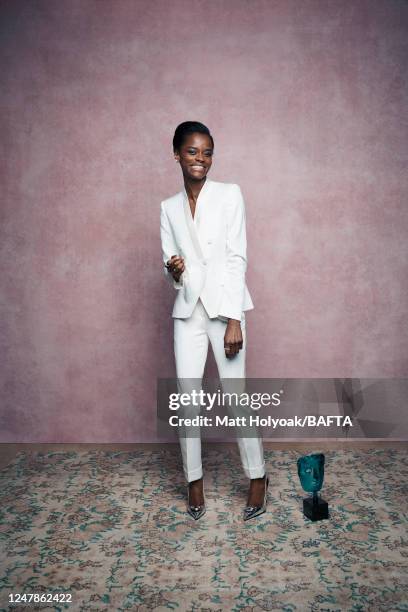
<point>193,188</point>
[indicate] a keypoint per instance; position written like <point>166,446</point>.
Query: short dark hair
<point>186,128</point>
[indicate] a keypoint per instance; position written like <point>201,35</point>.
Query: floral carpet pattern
<point>111,528</point>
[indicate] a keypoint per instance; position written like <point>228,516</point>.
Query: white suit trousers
<point>191,338</point>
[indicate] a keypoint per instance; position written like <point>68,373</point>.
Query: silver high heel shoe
<point>253,511</point>
<point>195,511</point>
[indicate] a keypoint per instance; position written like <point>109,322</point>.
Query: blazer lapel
<point>191,228</point>
<point>193,224</point>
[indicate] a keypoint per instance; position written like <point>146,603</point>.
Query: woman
<point>204,252</point>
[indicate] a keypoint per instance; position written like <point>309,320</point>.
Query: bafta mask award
<point>311,474</point>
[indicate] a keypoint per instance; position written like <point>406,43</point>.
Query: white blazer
<point>213,246</point>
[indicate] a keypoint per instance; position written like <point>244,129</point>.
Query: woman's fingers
<point>175,260</point>
<point>228,351</point>
<point>177,265</point>
<point>233,340</point>
<point>232,348</point>
<point>180,267</point>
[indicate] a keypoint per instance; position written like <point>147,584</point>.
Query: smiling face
<point>195,156</point>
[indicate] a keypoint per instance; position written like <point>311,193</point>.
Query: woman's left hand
<point>233,340</point>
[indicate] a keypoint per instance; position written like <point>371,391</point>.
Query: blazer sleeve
<point>169,247</point>
<point>234,286</point>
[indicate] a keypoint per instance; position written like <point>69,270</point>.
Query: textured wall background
<point>307,103</point>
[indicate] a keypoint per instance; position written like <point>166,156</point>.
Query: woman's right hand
<point>176,267</point>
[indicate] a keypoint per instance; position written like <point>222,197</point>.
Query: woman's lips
<point>197,167</point>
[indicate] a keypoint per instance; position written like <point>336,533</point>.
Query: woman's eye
<point>193,152</point>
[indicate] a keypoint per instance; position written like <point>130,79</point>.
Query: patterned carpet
<point>111,528</point>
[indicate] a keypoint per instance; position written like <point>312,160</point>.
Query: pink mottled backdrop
<point>307,102</point>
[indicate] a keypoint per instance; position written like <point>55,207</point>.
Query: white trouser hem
<point>254,472</point>
<point>193,474</point>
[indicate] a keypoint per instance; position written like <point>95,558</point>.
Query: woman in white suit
<point>203,239</point>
